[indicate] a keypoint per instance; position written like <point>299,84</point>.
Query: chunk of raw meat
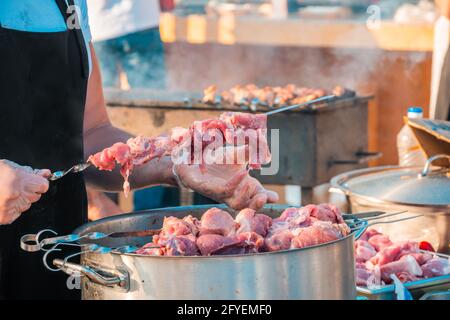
<point>183,245</point>
<point>216,221</point>
<point>369,233</point>
<point>242,120</point>
<point>280,240</point>
<point>364,251</point>
<point>209,244</point>
<point>151,249</point>
<point>380,241</point>
<point>405,264</point>
<point>436,267</point>
<point>364,275</point>
<point>296,217</point>
<point>177,227</point>
<point>327,212</point>
<point>318,233</point>
<point>394,252</point>
<point>250,221</point>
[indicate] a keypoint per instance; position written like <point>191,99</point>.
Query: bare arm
<point>444,7</point>
<point>99,134</point>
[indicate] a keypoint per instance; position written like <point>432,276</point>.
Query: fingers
<point>45,173</point>
<point>272,196</point>
<point>36,184</point>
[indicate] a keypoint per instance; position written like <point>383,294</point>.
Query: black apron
<point>43,84</point>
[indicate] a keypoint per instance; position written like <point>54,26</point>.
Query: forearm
<point>157,171</point>
<point>444,7</point>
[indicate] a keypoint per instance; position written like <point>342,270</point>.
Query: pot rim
<point>79,230</point>
<point>337,182</point>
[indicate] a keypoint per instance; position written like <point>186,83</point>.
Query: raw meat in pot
<point>405,264</point>
<point>216,221</point>
<point>327,212</point>
<point>209,244</point>
<point>250,241</point>
<point>380,241</point>
<point>369,233</point>
<point>280,240</point>
<point>320,232</point>
<point>183,245</point>
<point>250,221</point>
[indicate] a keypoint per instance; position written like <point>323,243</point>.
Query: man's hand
<point>20,187</point>
<point>229,182</point>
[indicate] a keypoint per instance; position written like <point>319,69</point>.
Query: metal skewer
<point>301,105</point>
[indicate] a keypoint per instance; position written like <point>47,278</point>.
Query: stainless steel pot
<point>320,272</point>
<point>418,190</point>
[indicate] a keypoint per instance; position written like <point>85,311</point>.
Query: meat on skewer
<point>232,129</point>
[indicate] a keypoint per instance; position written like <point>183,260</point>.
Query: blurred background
<point>157,58</point>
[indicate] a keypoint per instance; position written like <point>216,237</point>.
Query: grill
<point>315,144</point>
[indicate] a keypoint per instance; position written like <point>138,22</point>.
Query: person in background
<point>126,38</point>
<point>440,88</point>
<point>129,47</point>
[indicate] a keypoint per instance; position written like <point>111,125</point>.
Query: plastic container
<point>409,151</point>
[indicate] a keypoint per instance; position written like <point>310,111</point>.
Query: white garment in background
<point>441,46</point>
<point>115,18</point>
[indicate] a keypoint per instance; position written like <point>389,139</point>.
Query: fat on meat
<point>209,244</point>
<point>218,233</point>
<point>380,241</point>
<point>250,221</point>
<point>364,251</point>
<point>319,232</point>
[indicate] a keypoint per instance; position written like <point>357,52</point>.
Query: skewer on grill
<point>304,105</point>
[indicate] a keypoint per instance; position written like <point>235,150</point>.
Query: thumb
<point>45,173</point>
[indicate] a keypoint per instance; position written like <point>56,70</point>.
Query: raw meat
<point>319,232</point>
<point>190,144</point>
<point>436,267</point>
<point>216,221</point>
<point>209,244</point>
<point>395,252</point>
<point>406,264</point>
<point>217,233</point>
<point>364,251</point>
<point>135,152</point>
<point>380,241</point>
<point>377,257</point>
<point>250,221</point>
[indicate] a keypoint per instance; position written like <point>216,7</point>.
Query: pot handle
<point>107,278</point>
<point>426,168</point>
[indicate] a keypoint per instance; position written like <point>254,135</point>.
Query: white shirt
<point>110,19</point>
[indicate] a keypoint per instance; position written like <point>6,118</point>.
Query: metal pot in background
<point>415,189</point>
<point>321,272</point>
